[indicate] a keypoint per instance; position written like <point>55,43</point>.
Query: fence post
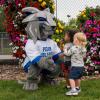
<point>1,43</point>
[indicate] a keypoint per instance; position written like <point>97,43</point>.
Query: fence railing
<point>5,49</point>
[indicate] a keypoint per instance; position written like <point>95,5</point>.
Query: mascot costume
<point>43,56</point>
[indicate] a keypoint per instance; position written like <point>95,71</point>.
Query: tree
<point>72,25</point>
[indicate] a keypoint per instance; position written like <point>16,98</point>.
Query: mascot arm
<point>57,54</point>
<point>46,63</point>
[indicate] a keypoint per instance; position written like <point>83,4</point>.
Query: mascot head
<point>40,24</point>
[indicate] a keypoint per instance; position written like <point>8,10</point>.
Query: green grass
<point>10,90</point>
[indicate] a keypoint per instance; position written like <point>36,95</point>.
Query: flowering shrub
<point>89,23</point>
<point>13,22</point>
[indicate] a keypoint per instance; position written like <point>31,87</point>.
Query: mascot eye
<point>26,14</point>
<point>53,27</point>
<point>42,19</point>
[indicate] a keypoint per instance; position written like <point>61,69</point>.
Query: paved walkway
<point>5,57</point>
<point>8,60</point>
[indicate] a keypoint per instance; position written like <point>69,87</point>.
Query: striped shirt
<point>77,54</point>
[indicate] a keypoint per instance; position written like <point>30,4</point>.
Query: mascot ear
<point>30,10</point>
<point>47,9</point>
<point>50,20</point>
<point>50,17</point>
<point>33,15</point>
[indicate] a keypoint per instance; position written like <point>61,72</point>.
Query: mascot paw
<point>21,82</point>
<point>30,86</point>
<point>54,82</point>
<point>33,86</point>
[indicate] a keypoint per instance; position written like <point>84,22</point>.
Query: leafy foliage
<point>2,17</point>
<point>89,22</point>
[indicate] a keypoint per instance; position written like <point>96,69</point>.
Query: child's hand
<point>61,55</point>
<point>67,47</point>
<point>65,50</point>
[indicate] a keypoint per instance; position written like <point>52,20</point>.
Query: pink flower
<point>25,41</point>
<point>17,2</point>
<point>88,22</point>
<point>94,29</point>
<point>93,14</point>
<point>2,2</point>
<point>17,38</point>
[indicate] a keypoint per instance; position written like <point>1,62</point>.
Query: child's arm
<point>68,52</point>
<point>67,47</point>
<point>83,50</point>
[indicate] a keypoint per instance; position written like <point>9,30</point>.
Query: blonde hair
<point>81,37</point>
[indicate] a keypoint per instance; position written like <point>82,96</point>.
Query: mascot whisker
<point>42,53</point>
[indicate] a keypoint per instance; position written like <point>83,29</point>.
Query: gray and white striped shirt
<point>77,54</point>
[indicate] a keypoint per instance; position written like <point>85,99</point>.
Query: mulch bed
<point>15,72</point>
<point>11,72</point>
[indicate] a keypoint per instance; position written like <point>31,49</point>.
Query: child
<point>77,53</point>
<point>67,59</point>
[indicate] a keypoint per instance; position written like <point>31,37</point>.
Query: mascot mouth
<point>46,30</point>
<point>44,25</point>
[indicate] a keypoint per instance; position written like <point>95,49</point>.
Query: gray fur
<point>30,9</point>
<point>32,28</point>
<point>40,25</point>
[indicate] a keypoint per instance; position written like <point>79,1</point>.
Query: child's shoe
<point>72,93</point>
<point>78,90</point>
<point>68,87</point>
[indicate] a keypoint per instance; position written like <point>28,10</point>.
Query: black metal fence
<point>5,49</point>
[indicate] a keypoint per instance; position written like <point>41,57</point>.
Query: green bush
<point>2,17</point>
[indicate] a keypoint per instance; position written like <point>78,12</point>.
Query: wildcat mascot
<point>43,56</point>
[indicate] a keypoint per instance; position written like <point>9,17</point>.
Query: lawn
<point>10,90</point>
